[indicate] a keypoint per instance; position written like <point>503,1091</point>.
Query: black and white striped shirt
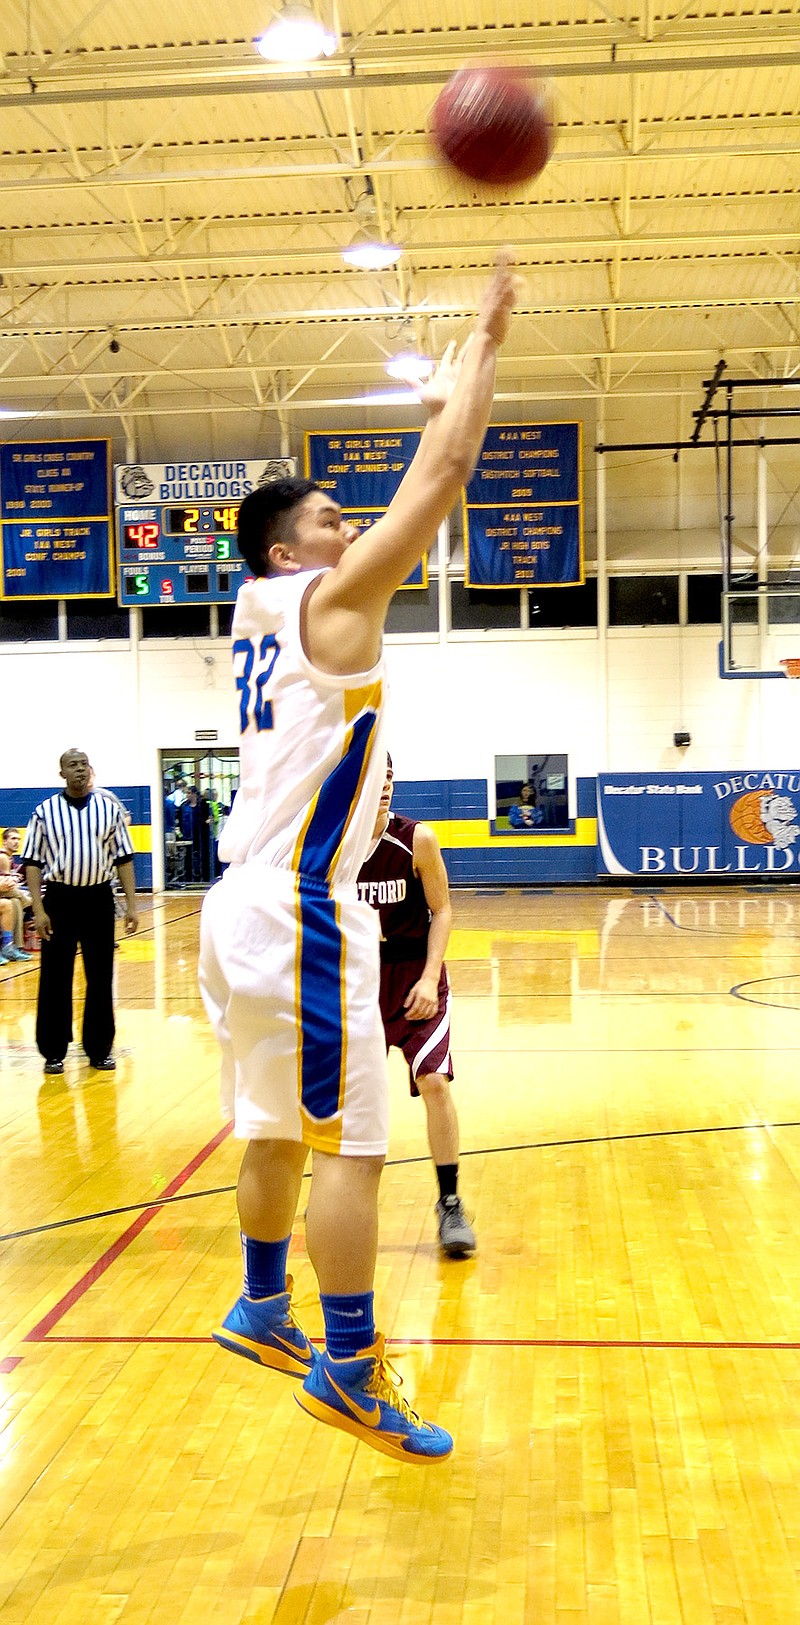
<point>77,842</point>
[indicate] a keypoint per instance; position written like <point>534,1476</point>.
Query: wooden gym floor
<point>619,1364</point>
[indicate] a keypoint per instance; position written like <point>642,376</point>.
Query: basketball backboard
<point>760,631</point>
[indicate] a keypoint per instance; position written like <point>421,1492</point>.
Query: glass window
<point>415,609</point>
<point>177,621</point>
<point>564,606</point>
<point>96,618</point>
<point>28,623</point>
<point>481,609</point>
<point>531,793</point>
<point>703,600</point>
<point>643,601</point>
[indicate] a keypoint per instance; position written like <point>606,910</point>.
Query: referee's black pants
<point>79,915</point>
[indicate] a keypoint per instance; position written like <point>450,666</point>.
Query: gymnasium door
<point>199,786</point>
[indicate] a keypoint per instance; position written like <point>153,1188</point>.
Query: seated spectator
<point>13,899</point>
<point>526,814</point>
<point>12,841</point>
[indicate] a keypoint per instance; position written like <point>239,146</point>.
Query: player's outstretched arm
<point>459,399</point>
<point>423,997</point>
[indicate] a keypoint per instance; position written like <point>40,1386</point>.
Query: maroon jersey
<point>388,883</point>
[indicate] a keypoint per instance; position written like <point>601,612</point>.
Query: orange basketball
<point>745,819</point>
<point>493,125</point>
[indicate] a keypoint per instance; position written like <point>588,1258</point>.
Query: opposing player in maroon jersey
<point>405,879</point>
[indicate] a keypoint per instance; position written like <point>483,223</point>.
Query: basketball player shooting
<point>289,962</point>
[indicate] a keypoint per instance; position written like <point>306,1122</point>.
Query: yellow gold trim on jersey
<point>357,700</point>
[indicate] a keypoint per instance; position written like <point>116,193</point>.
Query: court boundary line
<point>39,1332</point>
<point>409,1162</point>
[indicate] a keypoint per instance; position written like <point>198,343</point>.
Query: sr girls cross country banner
<point>523,516</point>
<point>699,824</point>
<point>362,471</point>
<point>55,519</point>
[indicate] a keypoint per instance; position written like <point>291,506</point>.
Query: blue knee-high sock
<point>349,1323</point>
<point>264,1266</point>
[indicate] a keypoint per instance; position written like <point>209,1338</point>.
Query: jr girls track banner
<point>55,519</point>
<point>362,471</point>
<point>523,519</point>
<point>725,823</point>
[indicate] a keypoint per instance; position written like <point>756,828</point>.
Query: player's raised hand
<point>437,389</point>
<point>494,316</point>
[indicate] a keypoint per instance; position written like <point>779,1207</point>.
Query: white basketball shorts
<point>290,981</point>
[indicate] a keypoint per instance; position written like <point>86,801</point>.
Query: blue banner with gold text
<point>55,519</point>
<point>363,471</point>
<point>523,520</point>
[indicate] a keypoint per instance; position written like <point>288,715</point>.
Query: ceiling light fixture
<point>296,35</point>
<point>409,367</point>
<point>370,253</point>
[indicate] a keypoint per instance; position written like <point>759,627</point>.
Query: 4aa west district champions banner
<point>523,520</point>
<point>732,823</point>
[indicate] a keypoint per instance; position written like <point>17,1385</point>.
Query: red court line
<point>486,1342</point>
<point>9,1362</point>
<point>40,1331</point>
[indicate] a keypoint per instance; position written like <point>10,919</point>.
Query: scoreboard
<point>176,529</point>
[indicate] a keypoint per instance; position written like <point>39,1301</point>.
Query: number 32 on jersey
<point>253,707</point>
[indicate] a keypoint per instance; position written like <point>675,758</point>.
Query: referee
<point>73,844</point>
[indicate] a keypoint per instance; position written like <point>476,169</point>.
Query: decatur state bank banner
<point>729,823</point>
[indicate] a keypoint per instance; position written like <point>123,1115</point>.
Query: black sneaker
<point>53,1067</point>
<point>108,1064</point>
<point>456,1235</point>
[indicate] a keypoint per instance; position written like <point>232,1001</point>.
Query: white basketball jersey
<point>312,759</point>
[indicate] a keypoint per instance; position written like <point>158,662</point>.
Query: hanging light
<point>369,249</point>
<point>296,35</point>
<point>409,367</point>
<point>370,253</point>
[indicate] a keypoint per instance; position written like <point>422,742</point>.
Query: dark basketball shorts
<point>425,1044</point>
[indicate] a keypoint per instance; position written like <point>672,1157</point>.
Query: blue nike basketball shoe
<point>360,1397</point>
<point>265,1330</point>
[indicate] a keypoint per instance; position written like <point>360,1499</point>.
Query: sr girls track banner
<point>699,824</point>
<point>362,471</point>
<point>523,520</point>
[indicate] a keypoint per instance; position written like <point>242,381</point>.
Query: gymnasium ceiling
<point>166,191</point>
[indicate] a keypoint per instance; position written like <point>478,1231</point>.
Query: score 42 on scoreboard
<point>176,528</point>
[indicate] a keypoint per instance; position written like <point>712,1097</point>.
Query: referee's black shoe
<point>108,1064</point>
<point>53,1067</point>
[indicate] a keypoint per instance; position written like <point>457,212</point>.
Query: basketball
<point>493,125</point>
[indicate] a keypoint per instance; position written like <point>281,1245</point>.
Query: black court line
<point>767,1004</point>
<point>410,1162</point>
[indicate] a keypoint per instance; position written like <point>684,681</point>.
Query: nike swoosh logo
<point>293,1348</point>
<point>370,1419</point>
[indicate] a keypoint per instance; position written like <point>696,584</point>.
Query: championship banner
<point>523,516</point>
<point>523,547</point>
<point>699,824</point>
<point>363,471</point>
<point>55,519</point>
